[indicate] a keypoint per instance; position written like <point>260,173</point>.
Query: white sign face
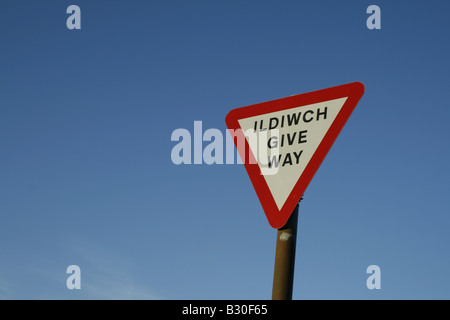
<point>285,141</point>
<point>290,138</point>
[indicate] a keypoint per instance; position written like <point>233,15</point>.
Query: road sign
<point>283,142</point>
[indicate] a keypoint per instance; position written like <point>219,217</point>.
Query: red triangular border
<point>278,218</point>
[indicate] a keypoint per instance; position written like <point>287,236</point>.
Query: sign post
<point>283,275</point>
<point>282,144</point>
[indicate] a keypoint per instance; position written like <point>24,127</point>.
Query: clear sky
<point>86,176</point>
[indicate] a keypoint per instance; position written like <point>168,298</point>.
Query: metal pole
<point>283,276</point>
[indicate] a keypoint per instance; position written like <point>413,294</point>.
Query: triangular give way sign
<point>283,142</point>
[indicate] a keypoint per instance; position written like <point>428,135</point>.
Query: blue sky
<point>86,176</point>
